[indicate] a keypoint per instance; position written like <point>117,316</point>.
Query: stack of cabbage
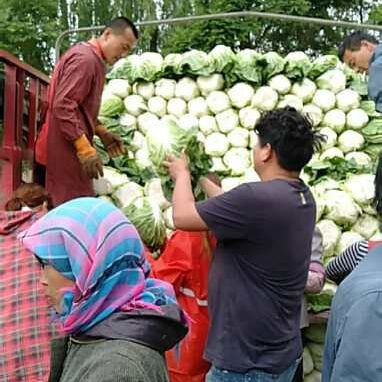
<point>158,103</point>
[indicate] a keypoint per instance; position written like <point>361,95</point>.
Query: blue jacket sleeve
<point>375,83</point>
<point>355,355</point>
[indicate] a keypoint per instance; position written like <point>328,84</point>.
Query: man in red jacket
<point>65,145</point>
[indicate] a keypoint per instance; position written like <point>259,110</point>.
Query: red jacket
<point>185,263</point>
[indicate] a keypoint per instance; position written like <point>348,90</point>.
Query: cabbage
<point>227,120</point>
<point>196,62</point>
<point>265,98</point>
<point>128,122</point>
<point>188,122</point>
<point>307,361</point>
<point>165,139</point>
<point>324,99</point>
<point>322,64</point>
<point>198,107</point>
<point>153,189</point>
<point>125,194</point>
<point>216,144</point>
<point>222,58</point>
<point>253,139</point>
<point>280,83</point>
<point>167,216</point>
<point>238,137</point>
<point>274,64</point>
<point>111,180</point>
<point>361,159</point>
<point>135,105</point>
<point>317,351</point>
<point>230,183</point>
<point>333,80</point>
<point>331,234</point>
<point>218,165</point>
<point>246,66</point>
<point>361,188</point>
<point>177,107</point>
<point>335,119</point>
<point>237,160</point>
<point>138,141</point>
<point>315,333</point>
<point>366,226</point>
<point>218,101</point>
<point>248,117</point>
<point>118,87</point>
<point>147,120</point>
<point>333,152</point>
<point>165,88</point>
<point>341,208</point>
<point>157,105</point>
<point>241,95</point>
<point>207,124</point>
<point>111,105</point>
<point>330,137</point>
<point>145,89</point>
<point>146,67</point>
<point>350,140</point>
<point>147,218</point>
<point>314,113</point>
<point>314,376</point>
<point>171,64</point>
<point>187,89</point>
<point>347,239</point>
<point>357,119</point>
<point>210,83</point>
<point>347,100</point>
<point>142,158</point>
<point>250,175</point>
<point>297,65</point>
<point>292,101</point>
<point>304,89</point>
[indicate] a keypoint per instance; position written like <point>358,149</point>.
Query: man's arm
<point>375,83</point>
<point>210,188</point>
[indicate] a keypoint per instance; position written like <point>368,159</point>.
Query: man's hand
<point>92,166</point>
<point>177,166</point>
<point>113,143</point>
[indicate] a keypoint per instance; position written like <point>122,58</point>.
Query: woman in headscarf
<point>120,322</point>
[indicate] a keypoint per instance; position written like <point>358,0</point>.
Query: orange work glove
<point>87,155</point>
<point>112,142</point>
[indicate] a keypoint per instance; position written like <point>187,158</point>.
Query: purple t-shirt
<point>258,274</point>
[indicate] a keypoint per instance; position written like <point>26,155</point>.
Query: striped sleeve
<point>342,265</point>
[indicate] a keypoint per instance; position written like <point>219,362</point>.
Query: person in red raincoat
<point>185,262</point>
<point>65,143</point>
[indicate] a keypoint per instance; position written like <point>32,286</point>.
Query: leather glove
<point>87,155</point>
<point>113,143</point>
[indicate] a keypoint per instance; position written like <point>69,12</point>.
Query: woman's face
<point>53,282</point>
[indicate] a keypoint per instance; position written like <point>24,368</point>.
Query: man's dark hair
<point>353,42</point>
<point>119,24</point>
<point>290,135</point>
<point>378,188</point>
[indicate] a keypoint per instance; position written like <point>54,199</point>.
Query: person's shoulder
<point>80,54</point>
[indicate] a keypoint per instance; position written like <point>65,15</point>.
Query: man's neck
<point>280,174</point>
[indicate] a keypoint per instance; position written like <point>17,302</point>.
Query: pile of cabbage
<point>208,104</point>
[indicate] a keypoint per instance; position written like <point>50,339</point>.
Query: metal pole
<point>261,15</point>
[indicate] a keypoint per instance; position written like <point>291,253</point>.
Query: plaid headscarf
<point>92,243</point>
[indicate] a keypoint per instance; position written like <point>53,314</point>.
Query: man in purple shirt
<point>258,274</point>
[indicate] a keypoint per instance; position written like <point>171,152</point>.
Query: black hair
<point>353,42</point>
<point>291,136</point>
<point>119,24</point>
<point>378,188</point>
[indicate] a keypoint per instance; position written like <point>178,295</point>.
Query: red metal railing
<point>25,96</point>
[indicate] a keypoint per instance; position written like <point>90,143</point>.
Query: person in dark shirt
<point>362,52</point>
<point>259,270</point>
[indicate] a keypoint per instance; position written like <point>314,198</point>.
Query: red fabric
<point>25,330</point>
<point>185,264</point>
<point>74,110</point>
<point>372,244</point>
